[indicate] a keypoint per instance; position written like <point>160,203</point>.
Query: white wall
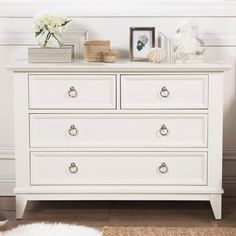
<point>111,20</point>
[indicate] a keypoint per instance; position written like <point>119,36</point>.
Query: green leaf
<point>38,33</point>
<point>47,38</point>
<point>66,22</point>
<point>60,44</point>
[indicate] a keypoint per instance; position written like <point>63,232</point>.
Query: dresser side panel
<point>21,129</point>
<point>215,129</point>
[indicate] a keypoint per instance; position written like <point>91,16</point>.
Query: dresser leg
<point>216,204</point>
<point>21,201</point>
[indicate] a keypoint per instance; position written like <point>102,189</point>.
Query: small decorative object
<point>188,45</point>
<point>93,50</point>
<point>157,55</point>
<point>42,55</point>
<point>48,28</point>
<point>109,56</point>
<point>165,43</point>
<point>142,39</point>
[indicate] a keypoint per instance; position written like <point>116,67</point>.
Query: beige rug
<point>162,231</point>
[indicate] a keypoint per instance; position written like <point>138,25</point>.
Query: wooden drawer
<point>118,130</point>
<point>164,91</point>
<point>71,168</point>
<point>72,91</point>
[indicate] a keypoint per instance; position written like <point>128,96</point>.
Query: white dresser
<point>124,131</point>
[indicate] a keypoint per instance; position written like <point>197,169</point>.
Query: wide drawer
<point>118,130</point>
<point>72,91</point>
<point>80,168</point>
<point>164,91</point>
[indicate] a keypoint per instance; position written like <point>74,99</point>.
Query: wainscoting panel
<point>7,171</point>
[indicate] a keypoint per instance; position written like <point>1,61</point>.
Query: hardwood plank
<point>121,213</point>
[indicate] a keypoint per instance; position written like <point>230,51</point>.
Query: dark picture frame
<point>142,39</point>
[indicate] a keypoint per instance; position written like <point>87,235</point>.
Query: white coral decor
<point>48,28</point>
<point>157,55</point>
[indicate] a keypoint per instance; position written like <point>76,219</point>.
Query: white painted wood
<point>120,8</point>
<point>122,65</point>
<point>123,130</point>
<point>215,134</point>
<point>164,91</point>
<point>192,148</point>
<point>21,129</point>
<point>7,170</point>
<point>72,91</point>
<point>21,201</point>
<point>120,197</point>
<point>118,168</point>
<point>113,189</point>
<point>216,204</point>
<point>7,188</point>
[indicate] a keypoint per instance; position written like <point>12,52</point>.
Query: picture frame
<point>142,39</point>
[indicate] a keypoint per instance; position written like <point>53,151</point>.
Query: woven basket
<point>109,56</point>
<point>93,50</point>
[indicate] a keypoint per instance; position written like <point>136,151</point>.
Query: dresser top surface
<point>122,65</point>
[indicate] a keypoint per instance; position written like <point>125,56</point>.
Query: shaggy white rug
<point>43,229</point>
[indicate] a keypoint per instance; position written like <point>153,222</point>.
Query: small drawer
<point>72,91</point>
<point>118,130</point>
<point>164,91</point>
<point>107,168</point>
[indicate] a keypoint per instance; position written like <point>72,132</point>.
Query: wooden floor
<point>137,213</point>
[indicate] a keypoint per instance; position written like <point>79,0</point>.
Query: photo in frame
<point>142,39</point>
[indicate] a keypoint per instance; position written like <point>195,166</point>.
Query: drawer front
<point>48,168</point>
<point>72,91</point>
<point>118,130</point>
<point>164,91</point>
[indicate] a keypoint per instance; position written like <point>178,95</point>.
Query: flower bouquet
<point>48,32</point>
<point>48,28</point>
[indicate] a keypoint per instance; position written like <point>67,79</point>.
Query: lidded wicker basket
<point>93,50</point>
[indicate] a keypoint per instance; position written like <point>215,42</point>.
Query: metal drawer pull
<point>163,168</point>
<point>73,168</point>
<point>72,92</point>
<point>164,92</point>
<point>72,131</point>
<point>163,130</point>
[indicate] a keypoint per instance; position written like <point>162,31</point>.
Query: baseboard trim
<point>6,189</point>
<point>229,153</point>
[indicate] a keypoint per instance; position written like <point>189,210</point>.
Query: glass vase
<point>49,40</point>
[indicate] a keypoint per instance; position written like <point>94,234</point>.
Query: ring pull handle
<point>72,131</point>
<point>163,168</point>
<point>72,92</point>
<point>73,168</point>
<point>164,92</point>
<point>163,130</point>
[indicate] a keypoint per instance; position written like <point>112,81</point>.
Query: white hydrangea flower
<point>49,24</point>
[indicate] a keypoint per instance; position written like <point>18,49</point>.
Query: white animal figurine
<point>188,45</point>
<point>157,55</point>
